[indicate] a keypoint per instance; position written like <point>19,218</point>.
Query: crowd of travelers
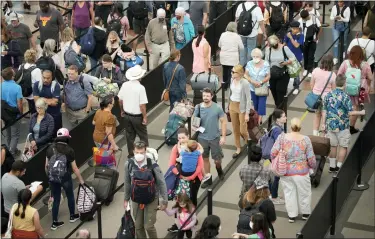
<point>51,74</point>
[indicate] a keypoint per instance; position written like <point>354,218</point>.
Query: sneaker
<point>304,72</point>
<point>56,225</point>
<point>305,216</point>
<point>220,173</point>
<point>278,201</point>
<point>309,76</point>
<point>74,218</point>
<point>335,61</point>
<point>295,92</point>
<point>207,182</point>
<point>332,170</point>
<point>173,228</point>
<point>353,130</point>
<point>292,219</point>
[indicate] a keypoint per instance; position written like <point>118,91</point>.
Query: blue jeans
<point>335,35</point>
<point>275,187</point>
<point>259,103</point>
<point>296,83</point>
<point>249,44</point>
<point>173,97</point>
<point>56,194</point>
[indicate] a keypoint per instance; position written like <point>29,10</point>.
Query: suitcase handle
<point>209,75</point>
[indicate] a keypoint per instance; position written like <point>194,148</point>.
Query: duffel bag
<point>321,145</point>
<point>205,80</point>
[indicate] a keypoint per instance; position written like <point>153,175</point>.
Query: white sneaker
<point>295,92</point>
<point>206,177</point>
<point>304,72</point>
<point>278,201</point>
<point>335,61</point>
<point>309,76</point>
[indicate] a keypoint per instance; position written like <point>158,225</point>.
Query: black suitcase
<point>318,171</point>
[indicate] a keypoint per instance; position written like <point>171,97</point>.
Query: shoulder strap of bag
<point>109,144</point>
<point>261,169</point>
<point>172,78</point>
<point>329,78</point>
<point>284,53</point>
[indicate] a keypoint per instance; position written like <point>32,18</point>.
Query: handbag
<point>253,120</point>
<point>171,181</point>
<point>103,157</point>
<point>228,114</point>
<point>28,151</point>
<point>127,228</point>
<point>261,91</point>
<point>276,72</point>
<point>293,69</point>
<point>165,94</point>
<point>136,60</point>
<point>278,165</point>
<point>313,101</point>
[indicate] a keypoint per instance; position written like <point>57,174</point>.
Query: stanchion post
<point>324,24</point>
<point>332,230</point>
<point>341,47</point>
<point>209,202</point>
<point>285,108</point>
<point>214,46</point>
<point>99,211</point>
<point>299,234</point>
<point>189,126</point>
<point>147,58</point>
<point>360,186</point>
<point>228,132</point>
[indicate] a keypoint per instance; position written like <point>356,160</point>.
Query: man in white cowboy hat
<point>133,100</point>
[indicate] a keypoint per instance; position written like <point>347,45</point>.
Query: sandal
<point>235,155</point>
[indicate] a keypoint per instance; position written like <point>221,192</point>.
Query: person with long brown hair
<point>202,52</point>
<point>10,51</point>
<point>358,61</point>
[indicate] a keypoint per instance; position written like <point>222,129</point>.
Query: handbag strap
<point>109,144</point>
<point>170,82</point>
<point>329,78</point>
<point>27,142</point>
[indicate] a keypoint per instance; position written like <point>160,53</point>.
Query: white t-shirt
<point>370,48</point>
<point>311,21</point>
<point>36,75</point>
<point>256,15</point>
<point>346,14</point>
<point>133,94</point>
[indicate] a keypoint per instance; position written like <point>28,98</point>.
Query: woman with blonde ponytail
<point>25,219</point>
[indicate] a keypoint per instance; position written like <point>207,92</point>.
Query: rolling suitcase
<point>105,181</point>
<point>202,80</point>
<point>318,171</point>
<point>321,145</point>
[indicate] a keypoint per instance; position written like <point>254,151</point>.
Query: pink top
<point>124,22</point>
<point>198,61</point>
<point>320,78</point>
<point>365,74</point>
<point>198,170</point>
<point>182,217</point>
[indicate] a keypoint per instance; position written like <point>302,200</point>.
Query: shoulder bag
<point>165,94</point>
<point>278,165</point>
<point>313,101</point>
<point>293,69</point>
<point>28,151</point>
<point>262,90</point>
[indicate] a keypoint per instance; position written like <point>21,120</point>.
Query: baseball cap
<point>63,132</point>
<point>13,16</point>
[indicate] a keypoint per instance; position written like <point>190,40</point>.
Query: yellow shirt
<point>27,223</point>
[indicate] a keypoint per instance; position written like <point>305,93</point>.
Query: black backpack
<point>276,17</point>
<point>243,224</point>
<point>23,78</point>
<point>139,9</point>
<point>114,25</point>
<point>245,23</point>
<point>8,113</point>
<point>46,63</point>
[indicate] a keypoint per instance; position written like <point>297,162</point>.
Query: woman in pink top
<point>201,52</point>
<point>319,78</point>
<point>115,16</point>
<point>357,59</point>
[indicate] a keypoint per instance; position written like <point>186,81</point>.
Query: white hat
<point>13,16</point>
<point>135,73</point>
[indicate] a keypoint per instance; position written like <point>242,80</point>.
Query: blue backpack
<point>87,42</point>
<point>266,143</point>
<point>171,180</point>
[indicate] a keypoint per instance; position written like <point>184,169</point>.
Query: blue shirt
<point>297,51</point>
<point>76,97</point>
<point>189,161</point>
<point>337,104</point>
<point>11,92</point>
<point>257,75</point>
<point>178,85</point>
<point>47,93</point>
<point>209,120</point>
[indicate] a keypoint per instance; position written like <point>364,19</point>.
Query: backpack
<point>53,86</point>
<point>72,58</point>
<point>174,122</point>
<point>243,224</point>
<point>114,25</point>
<point>46,63</point>
<point>23,78</point>
<point>87,42</point>
<point>276,17</point>
<point>179,33</point>
<point>139,10</point>
<point>353,79</point>
<point>8,113</point>
<point>266,143</point>
<point>127,228</point>
<point>311,30</point>
<point>245,21</point>
<point>57,167</point>
<point>143,187</point>
<point>364,48</point>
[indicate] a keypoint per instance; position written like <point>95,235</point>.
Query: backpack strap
<point>284,53</point>
<point>80,80</point>
<point>20,77</point>
<point>151,166</point>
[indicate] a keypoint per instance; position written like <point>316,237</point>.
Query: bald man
<point>83,234</point>
<point>158,39</point>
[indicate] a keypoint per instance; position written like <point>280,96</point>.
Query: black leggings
<point>180,234</point>
<point>227,75</point>
<point>279,87</point>
<point>194,188</point>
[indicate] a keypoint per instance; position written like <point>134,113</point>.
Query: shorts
<point>341,138</point>
<point>139,26</point>
<point>213,146</point>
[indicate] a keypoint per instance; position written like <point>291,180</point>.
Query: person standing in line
<point>133,100</point>
<point>82,18</point>
<point>210,113</point>
<point>201,52</point>
<point>100,36</point>
<point>177,90</point>
<point>337,109</point>
<point>250,40</point>
<point>367,44</point>
<point>231,46</point>
<point>144,202</point>
<point>11,94</point>
<point>182,27</point>
<point>103,9</point>
<point>10,51</point>
<point>159,39</point>
<point>216,9</point>
<point>61,147</point>
<point>198,13</point>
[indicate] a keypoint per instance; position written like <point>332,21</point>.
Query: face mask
<point>256,60</point>
<point>178,17</point>
<point>251,225</point>
<point>161,19</point>
<point>139,157</point>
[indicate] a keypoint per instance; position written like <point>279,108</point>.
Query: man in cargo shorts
<point>337,108</point>
<point>209,134</point>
